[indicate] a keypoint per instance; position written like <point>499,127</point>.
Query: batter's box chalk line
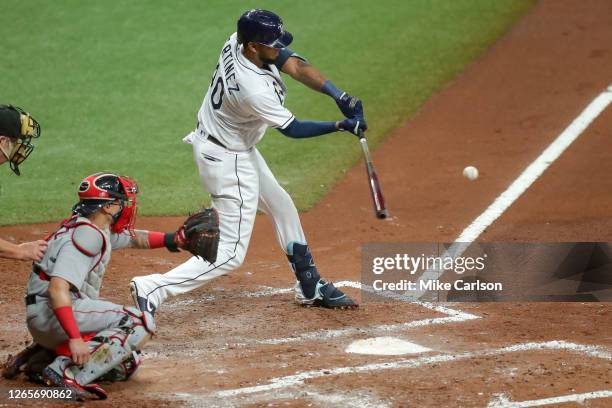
<point>502,401</point>
<point>299,378</point>
<point>349,399</point>
<point>266,291</point>
<point>452,316</point>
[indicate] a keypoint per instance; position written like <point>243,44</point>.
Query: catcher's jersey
<point>78,252</point>
<point>243,100</point>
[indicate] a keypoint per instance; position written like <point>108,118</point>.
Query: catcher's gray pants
<point>124,331</point>
<point>92,316</point>
<point>239,183</point>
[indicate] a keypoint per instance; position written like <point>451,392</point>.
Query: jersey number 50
<point>216,93</point>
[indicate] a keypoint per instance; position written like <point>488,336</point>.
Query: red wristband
<point>65,317</point>
<point>156,239</point>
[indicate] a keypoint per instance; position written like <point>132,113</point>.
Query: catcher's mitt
<point>199,234</point>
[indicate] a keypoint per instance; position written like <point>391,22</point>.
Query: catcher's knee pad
<point>111,348</point>
<point>303,265</point>
<point>140,328</point>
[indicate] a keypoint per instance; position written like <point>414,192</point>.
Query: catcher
<point>17,129</point>
<point>78,337</point>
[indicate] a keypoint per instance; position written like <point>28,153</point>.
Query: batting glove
<point>350,106</point>
<point>353,125</point>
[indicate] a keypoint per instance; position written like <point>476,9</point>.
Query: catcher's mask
<point>19,128</point>
<point>100,189</point>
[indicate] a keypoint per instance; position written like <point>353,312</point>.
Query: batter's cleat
<point>143,304</point>
<point>17,364</point>
<point>326,295</point>
<point>79,392</point>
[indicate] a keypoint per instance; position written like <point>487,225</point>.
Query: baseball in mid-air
<point>470,172</point>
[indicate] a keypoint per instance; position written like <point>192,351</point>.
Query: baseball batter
<point>17,129</point>
<point>78,337</point>
<point>245,96</point>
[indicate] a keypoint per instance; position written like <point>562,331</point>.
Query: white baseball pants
<point>239,183</point>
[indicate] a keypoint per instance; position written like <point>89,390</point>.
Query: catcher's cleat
<point>16,364</point>
<point>326,295</point>
<point>141,303</point>
<point>80,392</point>
<point>35,377</point>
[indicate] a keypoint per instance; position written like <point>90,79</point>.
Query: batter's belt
<point>210,137</point>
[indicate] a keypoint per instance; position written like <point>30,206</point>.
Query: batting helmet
<point>263,27</point>
<point>20,126</point>
<point>102,188</point>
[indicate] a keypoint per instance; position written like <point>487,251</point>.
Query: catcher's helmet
<point>20,126</point>
<point>263,27</point>
<point>102,188</point>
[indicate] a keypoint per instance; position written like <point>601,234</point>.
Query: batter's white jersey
<point>241,103</point>
<point>243,100</point>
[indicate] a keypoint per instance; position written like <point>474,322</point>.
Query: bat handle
<point>361,134</point>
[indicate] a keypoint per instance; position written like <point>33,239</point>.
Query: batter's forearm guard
<point>330,89</point>
<point>300,129</point>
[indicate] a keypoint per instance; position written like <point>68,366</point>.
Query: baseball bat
<point>380,208</point>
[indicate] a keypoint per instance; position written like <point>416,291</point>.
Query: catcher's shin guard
<point>113,351</point>
<point>304,268</point>
<point>123,371</point>
<point>55,376</point>
<point>112,347</point>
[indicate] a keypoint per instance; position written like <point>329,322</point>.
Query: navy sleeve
<point>308,128</point>
<point>284,55</point>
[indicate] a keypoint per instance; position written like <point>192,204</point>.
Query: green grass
<point>116,85</point>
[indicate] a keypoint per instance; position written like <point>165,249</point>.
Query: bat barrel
<point>380,209</point>
<point>382,214</point>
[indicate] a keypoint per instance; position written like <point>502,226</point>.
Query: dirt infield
<point>241,341</point>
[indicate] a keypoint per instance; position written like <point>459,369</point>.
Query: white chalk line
<point>356,400</point>
<point>453,316</point>
<point>271,291</point>
<point>502,401</point>
<point>299,378</point>
<point>522,183</point>
<point>266,291</point>
<point>325,334</point>
<point>408,299</point>
<point>352,399</point>
<point>539,165</point>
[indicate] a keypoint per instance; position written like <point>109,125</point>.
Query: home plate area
<point>238,347</point>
